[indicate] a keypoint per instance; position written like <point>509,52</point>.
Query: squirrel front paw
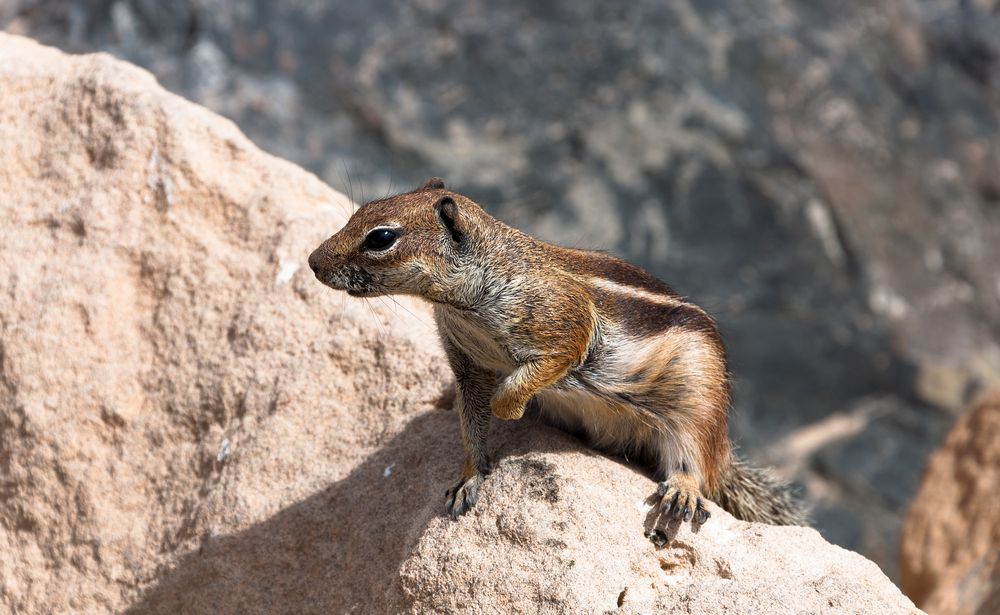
<point>506,406</point>
<point>463,495</point>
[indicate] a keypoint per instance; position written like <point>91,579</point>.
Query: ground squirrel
<point>601,346</point>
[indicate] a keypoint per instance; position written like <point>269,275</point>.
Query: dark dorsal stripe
<point>613,269</point>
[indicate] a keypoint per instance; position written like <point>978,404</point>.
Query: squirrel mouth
<point>362,292</point>
<point>355,282</point>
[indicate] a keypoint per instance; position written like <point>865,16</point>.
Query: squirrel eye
<point>379,239</point>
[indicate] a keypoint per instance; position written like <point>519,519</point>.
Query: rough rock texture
<point>189,423</point>
<point>950,544</point>
<point>822,175</point>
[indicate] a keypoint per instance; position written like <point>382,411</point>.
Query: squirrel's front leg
<point>475,387</point>
<point>558,349</point>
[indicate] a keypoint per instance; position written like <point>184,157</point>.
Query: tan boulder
<point>190,423</point>
<point>950,543</point>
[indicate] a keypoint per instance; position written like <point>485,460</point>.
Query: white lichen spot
<point>387,472</point>
<point>158,181</point>
<point>286,271</point>
<point>224,450</point>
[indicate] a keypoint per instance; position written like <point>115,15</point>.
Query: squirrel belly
<point>603,347</point>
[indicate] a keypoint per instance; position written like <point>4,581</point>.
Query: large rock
<point>190,423</point>
<point>950,544</point>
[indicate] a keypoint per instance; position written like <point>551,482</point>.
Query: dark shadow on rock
<point>339,550</point>
<point>661,528</point>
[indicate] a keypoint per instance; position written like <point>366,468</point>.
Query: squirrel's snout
<point>319,262</point>
<point>332,270</point>
<point>316,262</point>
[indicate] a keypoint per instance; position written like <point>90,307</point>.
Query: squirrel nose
<point>316,261</point>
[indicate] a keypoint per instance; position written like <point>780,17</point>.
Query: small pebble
<point>657,537</point>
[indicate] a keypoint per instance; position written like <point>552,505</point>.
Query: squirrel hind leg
<point>679,497</point>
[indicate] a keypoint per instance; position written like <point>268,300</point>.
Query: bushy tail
<point>754,494</point>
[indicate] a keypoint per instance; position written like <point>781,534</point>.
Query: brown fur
<point>604,347</point>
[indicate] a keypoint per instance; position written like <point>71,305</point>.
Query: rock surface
<point>190,423</point>
<point>822,176</point>
<point>950,544</point>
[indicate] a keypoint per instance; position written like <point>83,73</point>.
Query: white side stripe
<point>632,291</point>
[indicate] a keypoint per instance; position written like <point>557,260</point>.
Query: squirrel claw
<point>676,508</point>
<point>462,495</point>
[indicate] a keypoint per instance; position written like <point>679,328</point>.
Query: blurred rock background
<point>823,176</point>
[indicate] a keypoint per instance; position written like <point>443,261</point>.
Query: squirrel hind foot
<point>680,499</point>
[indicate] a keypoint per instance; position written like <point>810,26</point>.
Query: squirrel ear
<point>447,212</point>
<point>434,183</point>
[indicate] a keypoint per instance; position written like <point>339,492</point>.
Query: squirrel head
<point>411,243</point>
